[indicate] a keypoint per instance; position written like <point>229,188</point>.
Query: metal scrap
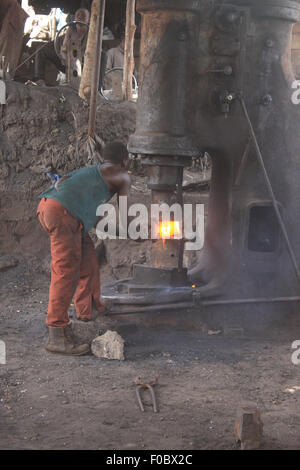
<point>149,385</point>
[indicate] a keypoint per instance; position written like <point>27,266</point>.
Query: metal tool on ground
<point>149,385</point>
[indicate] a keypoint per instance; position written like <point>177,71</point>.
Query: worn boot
<point>61,340</point>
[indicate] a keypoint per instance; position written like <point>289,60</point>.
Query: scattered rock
<point>214,332</point>
<point>248,427</point>
<point>110,346</point>
<point>293,389</point>
<point>166,354</point>
<point>7,262</point>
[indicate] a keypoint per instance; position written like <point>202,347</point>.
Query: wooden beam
<point>90,52</point>
<point>99,10</point>
<point>129,50</point>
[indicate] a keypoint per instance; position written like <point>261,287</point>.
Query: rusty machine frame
<point>216,77</point>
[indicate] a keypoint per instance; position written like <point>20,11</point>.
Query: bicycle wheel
<point>112,87</point>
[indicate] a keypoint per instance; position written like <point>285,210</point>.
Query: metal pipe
<point>209,303</point>
<point>153,308</point>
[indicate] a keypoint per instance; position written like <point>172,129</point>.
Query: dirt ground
<point>49,401</point>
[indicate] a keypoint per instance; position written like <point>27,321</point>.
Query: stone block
<point>248,427</point>
<point>109,346</point>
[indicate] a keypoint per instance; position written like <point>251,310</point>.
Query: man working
<point>71,53</point>
<point>75,40</point>
<point>115,56</point>
<point>73,47</point>
<point>67,211</point>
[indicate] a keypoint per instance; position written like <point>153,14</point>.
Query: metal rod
<point>137,391</point>
<point>180,201</point>
<point>32,55</point>
<point>242,163</point>
<point>150,388</point>
<point>208,303</point>
<point>270,189</point>
<point>153,308</point>
<point>96,70</point>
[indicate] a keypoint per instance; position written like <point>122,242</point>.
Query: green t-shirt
<point>81,194</point>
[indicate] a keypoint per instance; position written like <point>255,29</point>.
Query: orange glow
<point>169,229</point>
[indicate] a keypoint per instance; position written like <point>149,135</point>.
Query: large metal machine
<point>216,77</point>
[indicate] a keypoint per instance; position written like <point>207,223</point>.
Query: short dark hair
<point>121,30</point>
<point>115,152</point>
<point>83,10</point>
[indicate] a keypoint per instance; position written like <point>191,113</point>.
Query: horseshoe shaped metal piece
<point>149,386</point>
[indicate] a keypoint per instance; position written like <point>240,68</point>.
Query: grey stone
<point>248,427</point>
<point>109,346</point>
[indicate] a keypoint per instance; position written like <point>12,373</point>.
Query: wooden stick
<point>87,73</point>
<point>53,24</point>
<point>129,50</point>
<point>96,67</point>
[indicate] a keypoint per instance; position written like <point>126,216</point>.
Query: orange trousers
<point>75,271</point>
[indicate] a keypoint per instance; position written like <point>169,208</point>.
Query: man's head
<point>122,43</point>
<point>121,34</point>
<point>116,153</point>
<point>83,16</point>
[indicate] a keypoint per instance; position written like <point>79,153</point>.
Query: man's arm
<point>119,185</point>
